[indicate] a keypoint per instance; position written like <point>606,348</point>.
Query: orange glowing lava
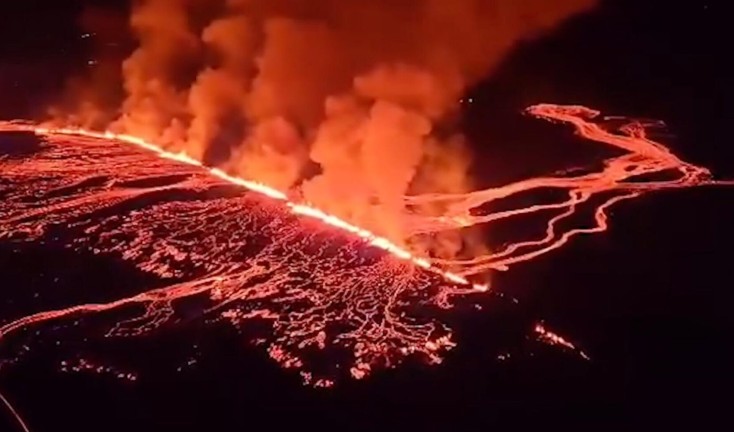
<point>251,257</point>
<point>552,338</point>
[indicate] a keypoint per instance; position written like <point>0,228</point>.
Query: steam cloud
<point>337,99</point>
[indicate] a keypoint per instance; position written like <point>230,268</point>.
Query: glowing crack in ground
<point>328,289</point>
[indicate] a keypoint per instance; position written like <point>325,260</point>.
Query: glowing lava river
<point>245,253</point>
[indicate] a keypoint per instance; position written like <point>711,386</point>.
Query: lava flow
<point>621,179</point>
<point>325,286</point>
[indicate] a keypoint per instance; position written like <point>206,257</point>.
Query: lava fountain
<point>248,252</point>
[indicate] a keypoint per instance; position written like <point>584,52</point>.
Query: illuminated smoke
<point>155,107</point>
<point>337,98</point>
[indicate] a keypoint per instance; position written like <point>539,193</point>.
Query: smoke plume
<point>339,100</point>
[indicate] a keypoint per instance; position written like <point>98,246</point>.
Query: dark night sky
<point>650,298</point>
<point>648,59</point>
<point>656,50</point>
<point>41,47</point>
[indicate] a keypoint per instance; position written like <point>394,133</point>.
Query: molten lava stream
<point>616,181</point>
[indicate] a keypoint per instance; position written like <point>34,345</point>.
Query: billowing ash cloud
<point>339,98</point>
